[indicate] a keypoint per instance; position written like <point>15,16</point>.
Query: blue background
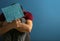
<point>46,23</point>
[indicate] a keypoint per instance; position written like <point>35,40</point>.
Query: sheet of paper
<point>12,12</point>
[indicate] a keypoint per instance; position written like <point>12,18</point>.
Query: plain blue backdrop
<point>46,22</point>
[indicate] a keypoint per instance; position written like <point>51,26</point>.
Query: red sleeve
<point>28,15</point>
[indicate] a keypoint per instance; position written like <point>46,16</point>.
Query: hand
<point>14,24</point>
<point>18,21</point>
<point>11,24</point>
<point>5,23</point>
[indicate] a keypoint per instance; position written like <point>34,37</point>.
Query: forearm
<point>20,30</point>
<point>5,28</point>
<point>24,27</point>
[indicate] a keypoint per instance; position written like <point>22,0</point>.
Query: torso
<point>13,32</point>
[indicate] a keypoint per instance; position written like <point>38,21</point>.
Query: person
<point>11,31</point>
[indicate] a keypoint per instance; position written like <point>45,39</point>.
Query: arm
<point>22,27</point>
<point>6,27</point>
<point>25,27</point>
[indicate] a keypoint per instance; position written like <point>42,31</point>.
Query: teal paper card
<point>12,12</point>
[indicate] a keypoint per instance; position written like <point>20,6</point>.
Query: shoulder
<point>28,15</point>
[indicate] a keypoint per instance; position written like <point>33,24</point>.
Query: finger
<point>18,20</point>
